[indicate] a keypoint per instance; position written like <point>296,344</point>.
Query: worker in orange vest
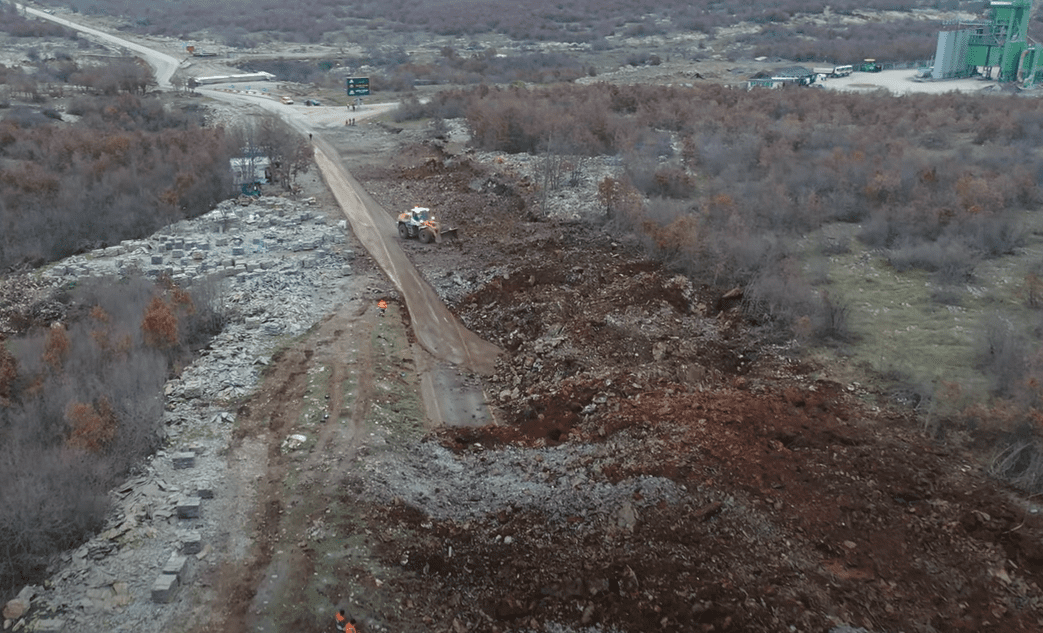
<point>383,305</point>
<point>344,624</point>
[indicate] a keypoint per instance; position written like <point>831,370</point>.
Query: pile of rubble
<point>565,482</point>
<point>278,267</point>
<point>243,239</point>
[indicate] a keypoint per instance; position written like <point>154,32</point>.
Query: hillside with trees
<point>116,164</point>
<point>89,158</point>
<point>792,30</point>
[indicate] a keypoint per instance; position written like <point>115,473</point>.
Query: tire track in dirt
<point>260,589</point>
<point>436,328</point>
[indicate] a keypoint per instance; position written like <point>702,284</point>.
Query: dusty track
<point>437,329</point>
<point>795,502</point>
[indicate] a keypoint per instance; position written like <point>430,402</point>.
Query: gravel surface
<point>292,267</point>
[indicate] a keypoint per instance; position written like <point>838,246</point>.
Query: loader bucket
<point>450,233</point>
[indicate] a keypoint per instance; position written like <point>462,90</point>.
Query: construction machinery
<point>420,223</point>
<point>870,65</point>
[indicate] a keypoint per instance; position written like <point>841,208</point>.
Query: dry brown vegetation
<point>579,21</point>
<point>80,405</point>
<point>125,168</point>
<point>732,173</point>
<point>724,184</point>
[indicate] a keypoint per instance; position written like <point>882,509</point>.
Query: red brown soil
<point>812,504</point>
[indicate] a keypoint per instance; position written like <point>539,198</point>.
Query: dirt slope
<point>806,503</point>
<point>658,464</point>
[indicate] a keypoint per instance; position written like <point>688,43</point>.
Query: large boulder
<point>15,609</point>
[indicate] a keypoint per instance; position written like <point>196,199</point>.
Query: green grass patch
<point>907,324</point>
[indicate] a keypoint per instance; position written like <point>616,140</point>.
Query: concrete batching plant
<point>999,43</point>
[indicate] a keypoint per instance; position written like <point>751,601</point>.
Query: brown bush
<point>56,349</point>
<point>160,325</point>
<point>92,426</point>
<point>8,373</point>
<point>65,187</point>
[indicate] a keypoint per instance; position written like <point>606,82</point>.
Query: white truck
<point>833,71</point>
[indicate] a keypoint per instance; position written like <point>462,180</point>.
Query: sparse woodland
<point>126,167</point>
<point>728,174</point>
<point>81,401</point>
<point>80,405</point>
<point>577,21</point>
<point>723,183</point>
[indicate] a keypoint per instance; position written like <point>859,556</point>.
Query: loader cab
<point>421,214</point>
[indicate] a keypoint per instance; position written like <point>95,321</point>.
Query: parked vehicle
<point>870,66</point>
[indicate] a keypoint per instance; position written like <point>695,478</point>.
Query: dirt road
<point>447,345</point>
<point>163,65</point>
<point>436,329</point>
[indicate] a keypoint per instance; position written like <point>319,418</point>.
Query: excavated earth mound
<point>661,465</point>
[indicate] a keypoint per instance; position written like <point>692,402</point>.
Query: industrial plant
<point>997,47</point>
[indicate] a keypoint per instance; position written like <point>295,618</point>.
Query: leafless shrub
<point>1021,464</point>
<point>834,245</point>
<point>947,295</point>
<point>781,295</point>
<point>51,500</point>
<point>951,261</point>
<point>1001,353</point>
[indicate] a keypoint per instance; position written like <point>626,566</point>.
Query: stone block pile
<point>270,234</point>
<point>277,268</point>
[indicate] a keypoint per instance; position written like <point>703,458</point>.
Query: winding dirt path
<point>348,387</point>
<point>163,65</point>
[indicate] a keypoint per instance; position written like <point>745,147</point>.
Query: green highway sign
<point>358,86</point>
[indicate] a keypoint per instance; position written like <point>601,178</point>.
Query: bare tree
<point>288,153</point>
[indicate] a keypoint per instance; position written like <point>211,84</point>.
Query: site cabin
<point>843,71</point>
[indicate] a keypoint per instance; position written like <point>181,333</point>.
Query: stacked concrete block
<point>176,565</point>
<point>184,460</point>
<point>164,588</point>
<point>188,508</point>
<point>191,543</point>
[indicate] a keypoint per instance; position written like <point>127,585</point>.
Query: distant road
<point>163,65</point>
<point>436,328</point>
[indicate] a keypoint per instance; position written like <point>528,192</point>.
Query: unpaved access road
<point>449,346</point>
<point>436,329</point>
<point>164,66</point>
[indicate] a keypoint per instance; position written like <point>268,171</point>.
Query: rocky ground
<point>658,463</point>
<point>278,265</point>
<point>662,465</point>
